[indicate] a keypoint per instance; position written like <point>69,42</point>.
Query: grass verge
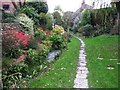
<point>62,73</point>
<point>102,52</point>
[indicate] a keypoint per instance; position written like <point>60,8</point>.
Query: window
<point>6,6</point>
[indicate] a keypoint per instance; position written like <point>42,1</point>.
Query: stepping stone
<point>82,61</point>
<point>81,68</point>
<point>81,76</point>
<point>81,84</point>
<point>83,58</point>
<point>82,64</point>
<point>82,72</point>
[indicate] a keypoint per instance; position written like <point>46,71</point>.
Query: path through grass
<point>62,73</point>
<point>105,47</point>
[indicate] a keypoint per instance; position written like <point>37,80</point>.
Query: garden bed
<point>62,72</point>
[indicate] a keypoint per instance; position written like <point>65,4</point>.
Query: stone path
<point>81,80</point>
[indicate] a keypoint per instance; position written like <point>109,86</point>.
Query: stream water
<point>51,55</point>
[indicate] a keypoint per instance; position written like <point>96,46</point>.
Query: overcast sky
<point>68,5</point>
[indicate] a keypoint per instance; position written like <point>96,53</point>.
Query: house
<point>78,14</point>
<point>6,6</point>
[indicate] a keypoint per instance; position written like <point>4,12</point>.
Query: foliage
<point>33,43</point>
<point>29,11</point>
<point>58,41</point>
<point>49,21</point>
<point>40,7</point>
<point>44,20</point>
<point>14,74</point>
<point>58,38</point>
<point>43,50</point>
<point>87,30</point>
<point>40,35</point>
<point>32,57</point>
<point>40,53</point>
<point>13,41</point>
<point>7,18</point>
<point>57,18</point>
<point>58,30</point>
<point>67,17</point>
<point>26,23</point>
<point>107,21</point>
<point>86,17</point>
<point>40,19</point>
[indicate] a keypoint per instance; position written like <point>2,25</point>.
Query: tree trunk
<point>14,4</point>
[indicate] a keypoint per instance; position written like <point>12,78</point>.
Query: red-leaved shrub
<point>13,39</point>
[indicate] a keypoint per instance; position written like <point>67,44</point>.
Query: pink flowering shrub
<point>13,40</point>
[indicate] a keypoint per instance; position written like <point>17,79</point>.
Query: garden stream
<point>51,56</point>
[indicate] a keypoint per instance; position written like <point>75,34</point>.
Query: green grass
<point>105,47</point>
<point>62,73</point>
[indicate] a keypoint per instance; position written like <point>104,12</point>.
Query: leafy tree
<point>46,21</point>
<point>40,7</point>
<point>49,21</point>
<point>58,8</point>
<point>67,17</point>
<point>57,18</point>
<point>86,17</point>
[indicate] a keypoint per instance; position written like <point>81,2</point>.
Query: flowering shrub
<point>58,30</point>
<point>57,37</point>
<point>13,40</point>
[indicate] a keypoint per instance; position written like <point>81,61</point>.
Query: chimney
<point>83,2</point>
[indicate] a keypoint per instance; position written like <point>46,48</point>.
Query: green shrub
<point>87,30</point>
<point>32,57</point>
<point>57,41</point>
<point>59,38</point>
<point>40,7</point>
<point>8,17</point>
<point>43,50</point>
<point>33,43</point>
<point>40,35</point>
<point>29,11</point>
<point>86,17</point>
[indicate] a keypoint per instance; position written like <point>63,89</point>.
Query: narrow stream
<point>51,55</point>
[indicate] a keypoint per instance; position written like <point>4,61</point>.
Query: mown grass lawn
<point>105,47</point>
<point>62,73</point>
